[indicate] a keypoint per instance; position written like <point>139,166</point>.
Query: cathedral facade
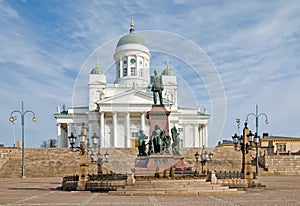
<point>116,112</point>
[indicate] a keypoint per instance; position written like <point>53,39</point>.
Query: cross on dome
<point>131,25</point>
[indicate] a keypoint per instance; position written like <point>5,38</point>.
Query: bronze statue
<point>150,147</point>
<point>142,144</point>
<point>156,139</point>
<point>175,144</point>
<point>166,143</point>
<point>157,87</point>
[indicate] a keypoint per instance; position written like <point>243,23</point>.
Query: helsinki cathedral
<point>117,111</point>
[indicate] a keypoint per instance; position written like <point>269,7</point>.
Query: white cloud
<point>253,44</point>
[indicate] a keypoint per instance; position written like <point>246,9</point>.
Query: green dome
<point>97,70</point>
<point>168,71</point>
<point>131,38</point>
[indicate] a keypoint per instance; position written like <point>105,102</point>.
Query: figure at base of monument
<point>142,144</point>
<point>175,144</point>
<point>156,139</point>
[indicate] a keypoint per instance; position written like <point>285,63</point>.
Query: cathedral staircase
<point>11,163</point>
<point>58,162</point>
<point>120,160</point>
<point>41,163</point>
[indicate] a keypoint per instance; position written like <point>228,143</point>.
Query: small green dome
<point>97,70</point>
<point>168,71</point>
<point>131,38</point>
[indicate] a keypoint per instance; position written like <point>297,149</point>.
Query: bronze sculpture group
<point>159,143</point>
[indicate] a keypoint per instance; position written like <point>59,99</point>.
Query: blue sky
<point>253,45</point>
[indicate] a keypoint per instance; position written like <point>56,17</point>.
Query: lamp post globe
<point>95,139</point>
<point>72,140</point>
<point>235,139</point>
<point>250,137</point>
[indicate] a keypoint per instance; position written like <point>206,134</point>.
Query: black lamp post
<point>239,144</point>
<point>204,157</point>
<point>96,142</point>
<point>12,119</point>
<point>256,137</point>
<point>245,144</point>
<point>94,139</point>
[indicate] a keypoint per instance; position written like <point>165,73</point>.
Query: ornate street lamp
<point>86,148</point>
<point>95,142</point>
<point>250,137</point>
<point>82,137</point>
<point>235,139</point>
<point>72,140</point>
<point>106,156</point>
<point>94,139</point>
<point>12,120</point>
<point>204,157</point>
<point>256,115</point>
<point>100,161</point>
<point>244,143</point>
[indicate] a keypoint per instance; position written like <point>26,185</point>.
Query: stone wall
<point>40,163</point>
<point>58,162</point>
<point>283,164</point>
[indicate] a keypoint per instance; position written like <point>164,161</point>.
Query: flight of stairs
<point>59,162</point>
<point>174,187</point>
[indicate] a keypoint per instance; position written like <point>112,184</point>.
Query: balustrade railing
<point>229,175</point>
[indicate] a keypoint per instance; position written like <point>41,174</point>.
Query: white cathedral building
<point>117,111</point>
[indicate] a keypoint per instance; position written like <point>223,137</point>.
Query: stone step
<point>199,188</point>
<point>181,185</point>
<point>195,181</point>
<point>175,192</point>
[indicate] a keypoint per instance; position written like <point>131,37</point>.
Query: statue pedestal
<point>158,115</point>
<point>162,157</point>
<point>148,165</point>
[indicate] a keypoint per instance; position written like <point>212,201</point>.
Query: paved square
<point>281,190</point>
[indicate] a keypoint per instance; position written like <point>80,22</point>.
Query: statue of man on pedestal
<point>157,87</point>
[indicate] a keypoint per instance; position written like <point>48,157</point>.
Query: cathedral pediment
<point>130,97</point>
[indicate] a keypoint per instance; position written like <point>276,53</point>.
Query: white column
<point>59,140</point>
<point>202,135</point>
<point>64,136</point>
<point>102,125</point>
<point>143,122</point>
<point>127,130</point>
<point>186,141</point>
<point>196,135</point>
<point>115,124</point>
<point>205,136</point>
<point>68,132</point>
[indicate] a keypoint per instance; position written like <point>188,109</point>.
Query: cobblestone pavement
<point>280,190</point>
